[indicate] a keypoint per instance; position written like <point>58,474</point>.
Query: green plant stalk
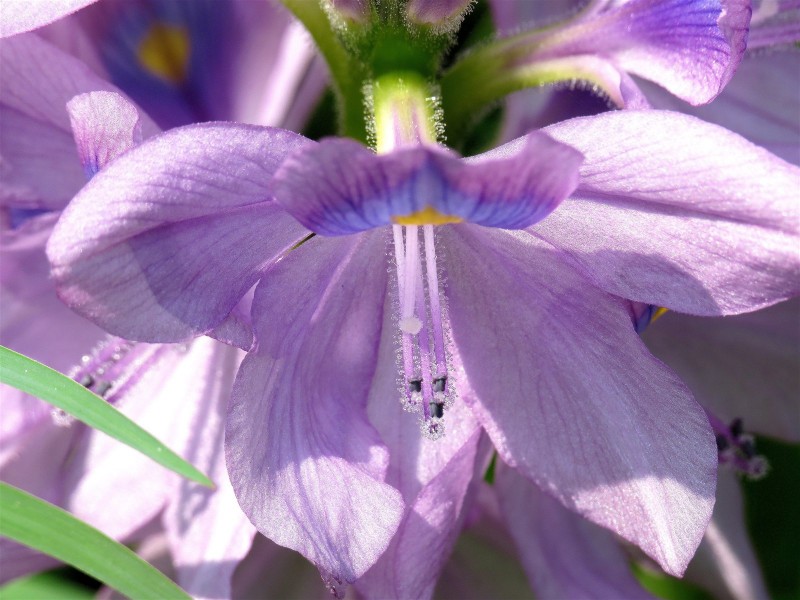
<point>348,74</point>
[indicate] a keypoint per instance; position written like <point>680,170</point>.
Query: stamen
<point>421,323</point>
<point>409,322</point>
<point>737,449</point>
<point>435,304</point>
<point>423,342</point>
<point>115,365</point>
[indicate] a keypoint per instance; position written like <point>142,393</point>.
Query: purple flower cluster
<point>498,298</point>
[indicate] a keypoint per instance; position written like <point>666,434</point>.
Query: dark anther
<point>748,448</point>
<point>439,384</point>
<point>102,388</point>
<point>86,381</point>
<point>437,409</point>
<point>736,428</point>
<point>415,385</point>
<point>722,443</point>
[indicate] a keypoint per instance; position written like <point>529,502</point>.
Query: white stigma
<point>410,325</point>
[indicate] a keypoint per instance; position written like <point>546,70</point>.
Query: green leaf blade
<point>62,392</point>
<point>49,529</point>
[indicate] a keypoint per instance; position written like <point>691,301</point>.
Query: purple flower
<point>543,355</point>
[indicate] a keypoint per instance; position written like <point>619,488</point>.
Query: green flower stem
<point>404,110</point>
<point>487,75</point>
<point>348,75</point>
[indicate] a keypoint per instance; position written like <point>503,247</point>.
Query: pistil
<point>736,449</point>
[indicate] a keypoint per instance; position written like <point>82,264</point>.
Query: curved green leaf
<point>59,390</point>
<point>49,529</point>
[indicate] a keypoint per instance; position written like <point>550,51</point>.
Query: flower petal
<point>306,465</point>
<point>433,476</point>
<point>34,322</point>
<point>564,555</point>
<point>163,243</point>
<point>114,487</point>
<point>438,13</point>
<point>678,213</point>
<point>571,397</point>
<point>105,125</point>
<point>760,102</point>
<point>690,47</point>
<point>20,16</point>
<point>41,165</point>
<point>340,187</point>
<point>208,533</point>
<point>739,367</point>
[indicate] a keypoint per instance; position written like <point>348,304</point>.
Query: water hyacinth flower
<point>480,326</point>
<point>536,264</point>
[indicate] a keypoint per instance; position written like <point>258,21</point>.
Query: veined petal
<point>689,216</point>
<point>41,168</point>
<point>19,16</point>
<point>433,475</point>
<point>105,125</point>
<point>340,187</point>
<point>163,243</point>
<point>760,102</point>
<point>738,367</point>
<point>690,47</point>
<point>305,463</point>
<point>412,564</point>
<point>114,487</point>
<point>208,533</point>
<point>564,555</point>
<point>571,397</point>
<point>202,60</point>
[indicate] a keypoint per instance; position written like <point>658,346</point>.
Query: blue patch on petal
<point>168,57</point>
<point>18,216</point>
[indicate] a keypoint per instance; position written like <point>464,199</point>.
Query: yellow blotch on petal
<point>426,216</point>
<point>164,52</point>
<point>659,313</point>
